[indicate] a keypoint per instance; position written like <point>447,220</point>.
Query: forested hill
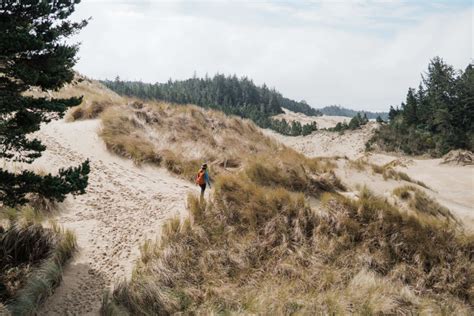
<point>232,95</point>
<point>435,118</point>
<point>337,110</point>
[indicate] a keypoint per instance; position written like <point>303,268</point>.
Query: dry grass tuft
<point>21,247</point>
<point>45,277</point>
<point>41,205</point>
<point>304,177</point>
<point>360,164</point>
<point>420,202</point>
<point>31,258</point>
<point>388,172</point>
<point>87,111</point>
<point>3,310</point>
<point>259,248</point>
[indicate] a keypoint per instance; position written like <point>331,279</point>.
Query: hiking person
<point>202,179</point>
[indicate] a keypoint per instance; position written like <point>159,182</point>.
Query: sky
<point>360,54</point>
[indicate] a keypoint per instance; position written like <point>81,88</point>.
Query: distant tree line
<point>356,122</point>
<point>435,118</point>
<point>232,95</point>
<point>337,110</point>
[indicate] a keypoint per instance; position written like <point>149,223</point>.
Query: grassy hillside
<point>230,95</point>
<point>258,247</point>
<point>181,138</point>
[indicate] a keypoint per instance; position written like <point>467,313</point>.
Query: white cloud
<point>359,53</point>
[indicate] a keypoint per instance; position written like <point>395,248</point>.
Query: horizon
<point>300,48</point>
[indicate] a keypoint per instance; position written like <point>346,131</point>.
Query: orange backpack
<point>200,177</point>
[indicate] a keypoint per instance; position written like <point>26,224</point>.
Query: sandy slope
<point>323,121</point>
<point>123,206</point>
<point>324,143</point>
<point>451,185</point>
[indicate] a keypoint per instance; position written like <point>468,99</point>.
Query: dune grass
<point>21,247</point>
<point>95,97</point>
<point>44,278</point>
<point>89,110</point>
<point>387,170</point>
<point>181,138</point>
<point>421,202</point>
<point>32,254</point>
<point>258,248</point>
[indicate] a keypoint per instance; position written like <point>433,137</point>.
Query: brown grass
<point>32,255</point>
<point>180,138</point>
<point>21,248</point>
<point>87,111</point>
<point>388,172</point>
<point>3,310</point>
<point>43,278</point>
<point>420,202</point>
<point>259,248</point>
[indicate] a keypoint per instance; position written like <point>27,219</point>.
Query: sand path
<point>124,205</point>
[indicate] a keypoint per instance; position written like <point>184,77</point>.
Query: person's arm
<point>206,177</point>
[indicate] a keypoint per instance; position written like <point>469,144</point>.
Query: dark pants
<point>203,188</point>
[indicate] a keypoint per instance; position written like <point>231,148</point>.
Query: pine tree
<point>33,53</point>
<point>296,128</point>
<point>392,113</point>
<point>410,108</point>
<point>437,118</point>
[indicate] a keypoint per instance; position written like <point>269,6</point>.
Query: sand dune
<point>323,121</point>
<point>450,185</point>
<point>324,143</point>
<point>124,205</point>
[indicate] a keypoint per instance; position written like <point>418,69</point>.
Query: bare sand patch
<point>323,121</point>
